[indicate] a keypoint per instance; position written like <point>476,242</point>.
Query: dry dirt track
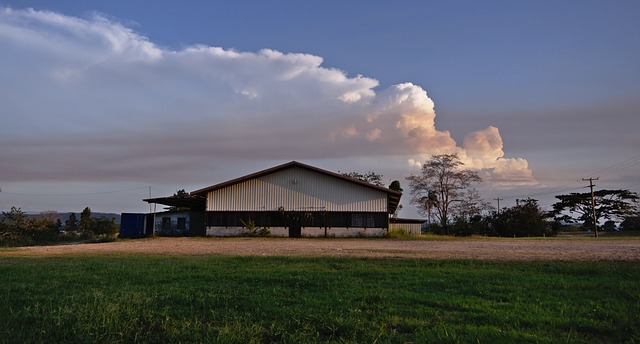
<point>590,249</point>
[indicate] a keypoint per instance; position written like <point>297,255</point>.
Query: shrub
<point>264,232</point>
<point>523,220</point>
<point>399,233</point>
<point>253,230</point>
<point>435,228</point>
<point>631,223</point>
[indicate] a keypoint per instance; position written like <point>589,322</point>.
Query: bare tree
<point>444,186</point>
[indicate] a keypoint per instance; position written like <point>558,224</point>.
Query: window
<point>370,221</point>
<point>361,220</point>
<point>182,223</point>
<point>356,220</point>
<point>166,223</point>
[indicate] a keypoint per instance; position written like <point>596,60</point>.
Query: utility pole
<point>498,199</point>
<point>593,205</point>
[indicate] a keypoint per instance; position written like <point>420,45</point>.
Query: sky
<point>104,103</point>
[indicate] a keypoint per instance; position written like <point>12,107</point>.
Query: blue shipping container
<point>134,225</point>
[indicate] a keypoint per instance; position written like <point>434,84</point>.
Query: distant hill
<point>65,216</point>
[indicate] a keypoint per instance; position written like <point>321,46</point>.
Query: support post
<point>498,199</point>
<point>593,205</point>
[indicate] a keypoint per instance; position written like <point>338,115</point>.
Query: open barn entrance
<point>295,231</point>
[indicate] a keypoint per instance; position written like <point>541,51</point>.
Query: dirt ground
<point>551,249</point>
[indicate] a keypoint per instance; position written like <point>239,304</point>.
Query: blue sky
<point>100,100</point>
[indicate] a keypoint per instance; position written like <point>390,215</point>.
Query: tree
<point>429,203</point>
<point>609,226</point>
<point>470,205</point>
<point>395,186</point>
<point>86,222</point>
<point>20,229</point>
<point>14,226</point>
<point>16,219</point>
<point>46,221</point>
<point>44,227</point>
<point>370,177</point>
<point>610,205</point>
<point>442,185</point>
<point>104,226</point>
<point>525,219</point>
<point>631,223</point>
<point>468,217</point>
<point>71,224</point>
<point>179,194</point>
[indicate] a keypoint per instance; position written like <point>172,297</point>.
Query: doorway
<point>295,231</point>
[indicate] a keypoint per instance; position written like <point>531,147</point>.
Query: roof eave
<point>191,202</point>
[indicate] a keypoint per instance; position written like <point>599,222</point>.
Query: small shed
<point>412,226</point>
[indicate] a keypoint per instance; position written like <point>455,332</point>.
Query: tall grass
<point>120,298</point>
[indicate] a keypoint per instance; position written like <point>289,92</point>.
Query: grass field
<point>131,298</point>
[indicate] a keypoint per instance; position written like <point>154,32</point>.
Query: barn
<point>289,200</point>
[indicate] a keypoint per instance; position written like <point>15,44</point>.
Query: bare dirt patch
<point>551,249</point>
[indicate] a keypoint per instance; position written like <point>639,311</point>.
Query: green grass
<point>129,298</point>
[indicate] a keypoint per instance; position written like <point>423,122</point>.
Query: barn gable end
<point>297,189</point>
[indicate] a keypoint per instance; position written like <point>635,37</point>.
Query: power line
<point>560,189</point>
<point>600,173</point>
<point>630,186</point>
<point>617,167</point>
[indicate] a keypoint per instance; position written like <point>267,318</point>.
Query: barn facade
<point>291,200</point>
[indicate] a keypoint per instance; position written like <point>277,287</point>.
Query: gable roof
<point>393,197</point>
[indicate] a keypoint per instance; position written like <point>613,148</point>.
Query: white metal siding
<point>297,189</point>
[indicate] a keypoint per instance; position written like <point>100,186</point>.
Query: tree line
<point>19,229</point>
<point>446,192</point>
<point>443,191</point>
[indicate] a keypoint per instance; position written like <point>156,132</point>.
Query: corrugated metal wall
<point>412,228</point>
<point>297,189</point>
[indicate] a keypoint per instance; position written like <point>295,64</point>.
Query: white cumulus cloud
<point>90,99</point>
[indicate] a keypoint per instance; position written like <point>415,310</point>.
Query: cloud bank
<point>90,99</point>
